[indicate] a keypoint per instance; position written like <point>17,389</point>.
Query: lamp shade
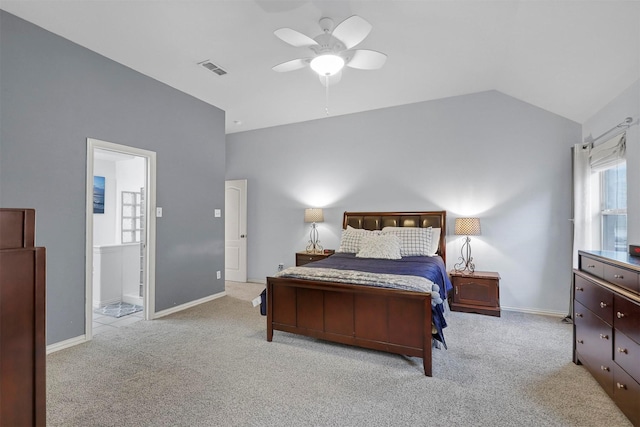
<point>313,215</point>
<point>467,226</point>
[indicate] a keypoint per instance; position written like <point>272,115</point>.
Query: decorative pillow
<point>379,246</point>
<point>350,240</point>
<point>414,241</point>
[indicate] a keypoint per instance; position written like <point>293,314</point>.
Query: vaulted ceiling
<point>569,57</point>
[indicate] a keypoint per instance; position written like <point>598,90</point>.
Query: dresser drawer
<point>626,393</point>
<point>627,317</point>
<point>593,336</point>
<point>626,353</point>
<point>619,276</point>
<point>592,266</point>
<point>594,297</point>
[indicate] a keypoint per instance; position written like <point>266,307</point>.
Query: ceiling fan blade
<point>364,59</point>
<point>294,38</point>
<point>352,31</point>
<point>331,80</point>
<point>294,64</point>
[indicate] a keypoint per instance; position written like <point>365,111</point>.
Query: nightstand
<point>477,292</point>
<point>304,257</point>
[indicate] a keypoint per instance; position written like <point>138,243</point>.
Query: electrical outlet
<point>218,274</point>
<point>280,267</point>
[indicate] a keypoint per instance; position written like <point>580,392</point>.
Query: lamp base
<point>465,264</point>
<point>314,246</point>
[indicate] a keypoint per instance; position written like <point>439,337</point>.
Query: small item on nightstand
<point>634,250</point>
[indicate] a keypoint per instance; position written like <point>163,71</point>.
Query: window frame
<point>604,212</point>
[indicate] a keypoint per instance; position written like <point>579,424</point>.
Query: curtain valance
<point>608,154</point>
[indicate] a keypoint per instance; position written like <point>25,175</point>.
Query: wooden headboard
<point>379,220</point>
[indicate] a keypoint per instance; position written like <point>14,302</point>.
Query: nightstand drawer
<point>303,258</point>
<point>476,291</point>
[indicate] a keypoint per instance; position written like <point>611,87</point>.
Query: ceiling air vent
<point>213,67</point>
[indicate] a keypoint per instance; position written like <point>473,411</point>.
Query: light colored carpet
<point>212,366</point>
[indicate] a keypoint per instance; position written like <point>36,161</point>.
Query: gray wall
<point>627,104</point>
<point>485,154</point>
<point>55,94</point>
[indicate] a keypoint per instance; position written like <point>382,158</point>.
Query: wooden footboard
<point>389,320</point>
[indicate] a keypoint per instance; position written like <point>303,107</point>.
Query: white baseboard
<point>535,311</point>
<point>51,348</point>
<point>82,338</point>
<point>133,299</point>
<point>181,307</point>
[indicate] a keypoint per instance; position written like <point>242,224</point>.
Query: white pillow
<point>414,241</point>
<point>379,246</point>
<point>350,240</point>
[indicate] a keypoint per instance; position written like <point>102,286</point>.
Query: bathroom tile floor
<point>102,323</point>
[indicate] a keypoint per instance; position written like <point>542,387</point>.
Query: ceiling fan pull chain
<point>326,84</point>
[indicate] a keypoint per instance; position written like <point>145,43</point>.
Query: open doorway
<point>120,244</point>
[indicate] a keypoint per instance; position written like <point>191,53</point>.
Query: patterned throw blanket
<point>380,280</point>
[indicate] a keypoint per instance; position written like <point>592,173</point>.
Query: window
<point>613,208</point>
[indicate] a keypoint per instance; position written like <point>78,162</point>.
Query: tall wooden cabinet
<point>22,321</point>
<point>606,313</point>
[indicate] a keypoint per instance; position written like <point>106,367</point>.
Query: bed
<point>368,315</point>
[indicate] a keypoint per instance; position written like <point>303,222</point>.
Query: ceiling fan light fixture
<point>327,65</point>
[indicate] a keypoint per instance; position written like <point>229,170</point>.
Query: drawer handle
<point>618,276</point>
<point>579,315</point>
<point>623,350</point>
<point>604,368</point>
<point>591,266</point>
<point>604,336</point>
<point>620,315</point>
<point>603,304</point>
<point>580,341</point>
<point>621,386</point>
<point>579,289</point>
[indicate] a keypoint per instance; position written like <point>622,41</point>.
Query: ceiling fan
<point>333,49</point>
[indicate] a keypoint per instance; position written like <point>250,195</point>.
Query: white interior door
<point>235,230</point>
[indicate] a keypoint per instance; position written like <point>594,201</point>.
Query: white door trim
<point>150,222</point>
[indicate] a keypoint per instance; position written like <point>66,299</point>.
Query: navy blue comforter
<point>431,268</point>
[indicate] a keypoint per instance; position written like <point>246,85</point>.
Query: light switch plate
<point>158,212</point>
<point>217,213</point>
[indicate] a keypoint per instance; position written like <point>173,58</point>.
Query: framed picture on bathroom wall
<point>98,194</point>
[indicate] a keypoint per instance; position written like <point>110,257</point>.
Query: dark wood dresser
<point>22,321</point>
<point>606,330</point>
